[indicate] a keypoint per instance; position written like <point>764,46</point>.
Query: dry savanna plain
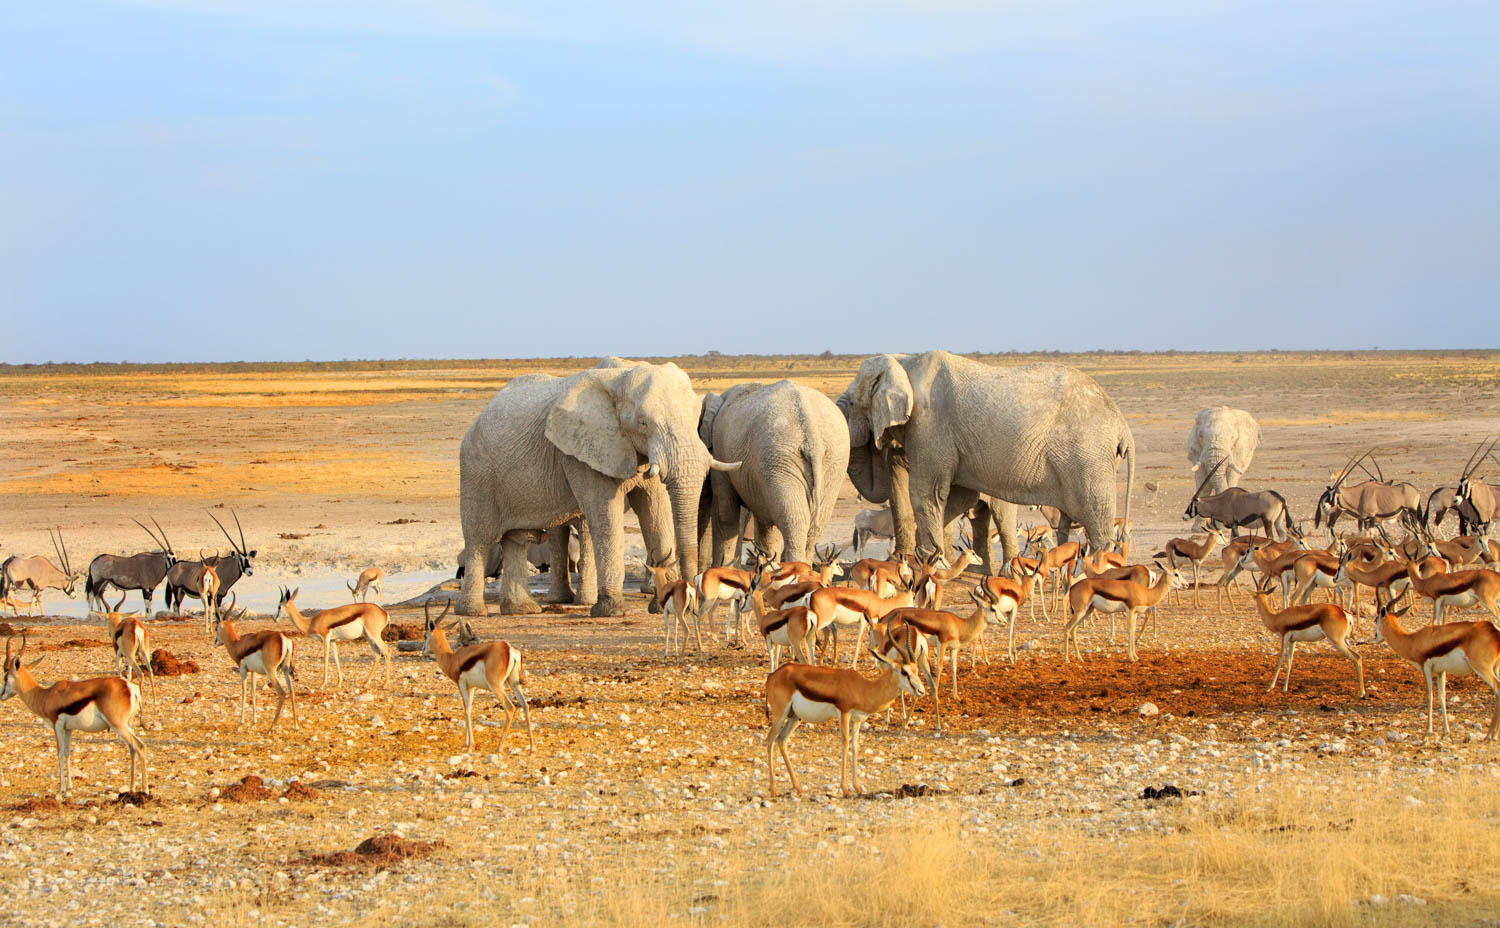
<point>645,801</point>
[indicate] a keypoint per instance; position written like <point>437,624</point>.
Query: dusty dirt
<point>642,763</point>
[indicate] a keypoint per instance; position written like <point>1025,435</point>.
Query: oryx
<point>143,572</point>
<point>1375,500</point>
<point>36,573</point>
<point>1237,507</point>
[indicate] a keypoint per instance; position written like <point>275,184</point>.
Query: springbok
<point>1456,648</point>
<point>492,666</point>
<point>1311,622</point>
<point>132,646</point>
<point>676,599</point>
<point>78,705</point>
<point>1193,552</point>
<point>369,579</point>
<point>1112,596</point>
<point>268,653</point>
<point>797,693</point>
<point>342,623</point>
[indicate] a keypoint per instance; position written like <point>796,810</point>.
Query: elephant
<point>931,432</point>
<point>1222,433</point>
<point>546,450</point>
<point>791,441</point>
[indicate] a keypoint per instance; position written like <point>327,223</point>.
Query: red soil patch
<point>251,789</point>
<point>379,851</point>
<point>35,806</point>
<point>165,664</point>
<point>298,791</point>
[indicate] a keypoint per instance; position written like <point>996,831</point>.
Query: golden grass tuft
<point>1294,856</point>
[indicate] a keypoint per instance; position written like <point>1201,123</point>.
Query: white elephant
<point>793,446</point>
<point>1220,433</point>
<point>933,431</point>
<point>546,450</point>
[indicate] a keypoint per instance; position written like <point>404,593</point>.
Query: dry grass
<point>1298,856</point>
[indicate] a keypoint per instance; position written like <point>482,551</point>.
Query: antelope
<point>1236,507</point>
<point>1111,596</point>
<point>797,693</point>
<point>342,623</point>
<point>1058,559</point>
<point>78,705</point>
<point>842,606</point>
<point>492,666</point>
<point>1371,502</point>
<point>872,523</point>
<point>1005,598</point>
<point>142,572</point>
<point>1315,569</point>
<point>268,653</point>
<point>1310,622</point>
<point>1458,590</point>
<point>1135,573</point>
<point>950,633</point>
<point>1235,557</point>
<point>229,567</point>
<point>864,573</point>
<point>369,579</point>
<point>38,574</point>
<point>792,628</point>
<point>1477,495</point>
<point>1194,552</point>
<point>185,579</point>
<point>723,584</point>
<point>1387,575</point>
<point>208,591</point>
<point>676,599</point>
<point>132,645</point>
<point>1456,648</point>
<point>929,585</point>
<point>915,643</point>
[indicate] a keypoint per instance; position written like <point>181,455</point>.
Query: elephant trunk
<point>871,476</point>
<point>683,470</point>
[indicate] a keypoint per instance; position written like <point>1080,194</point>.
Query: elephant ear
<point>890,397</point>
<point>712,403</point>
<point>583,424</point>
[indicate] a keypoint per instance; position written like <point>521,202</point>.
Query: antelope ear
<point>40,658</point>
<point>584,424</point>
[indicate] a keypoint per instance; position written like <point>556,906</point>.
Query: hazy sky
<point>253,179</point>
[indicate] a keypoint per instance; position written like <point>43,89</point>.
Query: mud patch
<point>35,806</point>
<point>378,851</point>
<point>250,789</point>
<point>72,644</point>
<point>299,791</point>
<point>402,632</point>
<point>135,798</point>
<point>165,664</point>
<point>8,630</point>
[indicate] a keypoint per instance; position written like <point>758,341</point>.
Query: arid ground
<point>646,800</point>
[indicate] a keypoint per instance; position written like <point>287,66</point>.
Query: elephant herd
<point>929,433</point>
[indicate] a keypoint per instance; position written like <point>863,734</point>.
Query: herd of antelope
<point>902,604</point>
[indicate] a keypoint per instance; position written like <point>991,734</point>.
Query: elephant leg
<point>561,589</point>
<point>929,500</point>
<point>603,500</point>
<point>653,510</point>
<point>726,519</point>
<point>1005,519</point>
<point>471,594</point>
<point>515,599</point>
<point>902,517</point>
<point>588,574</point>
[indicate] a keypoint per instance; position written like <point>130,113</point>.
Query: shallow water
<point>260,593</point>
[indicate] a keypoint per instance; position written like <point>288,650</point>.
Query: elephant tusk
<point>726,467</point>
<point>653,471</point>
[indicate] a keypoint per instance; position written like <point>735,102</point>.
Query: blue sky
<point>237,180</point>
